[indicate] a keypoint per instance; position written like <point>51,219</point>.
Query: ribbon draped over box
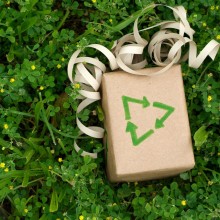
<point>88,71</point>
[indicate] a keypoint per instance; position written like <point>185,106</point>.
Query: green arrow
<point>170,110</point>
<point>125,99</point>
<point>132,129</point>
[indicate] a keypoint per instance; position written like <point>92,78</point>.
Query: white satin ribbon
<point>127,54</point>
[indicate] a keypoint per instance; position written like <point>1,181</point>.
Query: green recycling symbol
<point>131,127</point>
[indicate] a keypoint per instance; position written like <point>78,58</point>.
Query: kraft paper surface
<point>158,142</point>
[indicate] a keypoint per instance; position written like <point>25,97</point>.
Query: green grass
<point>41,175</point>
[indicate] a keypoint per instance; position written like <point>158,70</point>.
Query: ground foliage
<point>41,176</point>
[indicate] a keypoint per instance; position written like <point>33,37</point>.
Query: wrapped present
<point>146,122</point>
<point>148,133</point>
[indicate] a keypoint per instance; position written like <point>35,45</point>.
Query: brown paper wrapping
<point>166,152</point>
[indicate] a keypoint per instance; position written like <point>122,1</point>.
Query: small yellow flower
<point>218,37</point>
<point>5,126</point>
<point>77,85</point>
<point>2,165</point>
<point>26,210</point>
<point>81,217</point>
<point>217,7</point>
<point>6,170</point>
<point>41,88</point>
<point>33,67</point>
<point>210,183</point>
<point>110,20</point>
<point>58,66</point>
<point>213,7</point>
<point>52,151</point>
<point>204,24</point>
<point>60,159</point>
<point>94,1</point>
<point>62,59</point>
<point>11,187</point>
<point>2,90</point>
<point>209,98</point>
<point>50,167</point>
<point>12,80</point>
<point>183,202</point>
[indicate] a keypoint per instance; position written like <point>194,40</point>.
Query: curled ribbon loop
<point>127,54</point>
<point>89,73</point>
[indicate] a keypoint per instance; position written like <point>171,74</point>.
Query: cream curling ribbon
<point>124,55</point>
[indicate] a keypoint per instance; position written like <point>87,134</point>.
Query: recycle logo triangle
<point>132,128</point>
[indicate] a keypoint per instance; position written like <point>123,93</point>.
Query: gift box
<point>147,127</point>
